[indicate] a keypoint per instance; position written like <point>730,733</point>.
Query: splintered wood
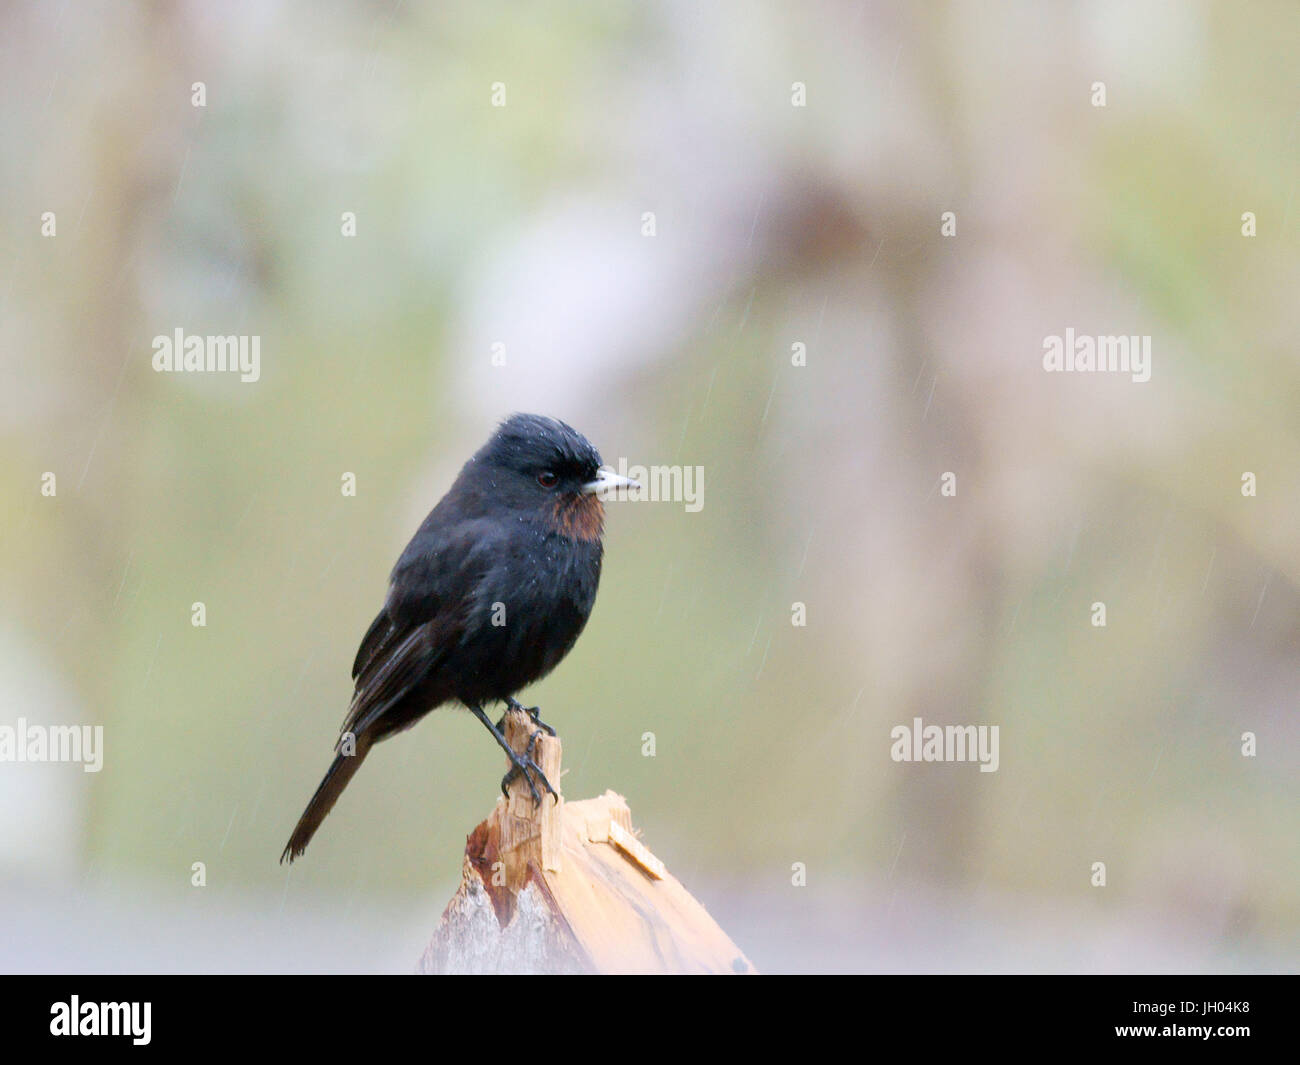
<point>570,888</point>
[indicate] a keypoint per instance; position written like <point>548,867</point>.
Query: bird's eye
<point>547,479</point>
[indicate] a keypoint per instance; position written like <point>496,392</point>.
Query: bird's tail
<point>336,779</point>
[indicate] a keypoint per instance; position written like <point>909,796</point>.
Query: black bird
<point>489,595</point>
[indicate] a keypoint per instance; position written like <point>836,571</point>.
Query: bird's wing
<point>378,638</point>
<point>423,619</point>
<point>392,675</point>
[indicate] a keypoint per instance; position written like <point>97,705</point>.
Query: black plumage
<point>489,595</point>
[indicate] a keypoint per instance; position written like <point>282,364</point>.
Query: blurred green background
<point>523,225</point>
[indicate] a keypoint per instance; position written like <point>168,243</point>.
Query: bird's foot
<point>523,765</point>
<point>533,712</point>
<point>519,764</point>
<point>515,768</point>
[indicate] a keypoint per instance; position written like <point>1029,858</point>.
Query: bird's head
<point>540,466</point>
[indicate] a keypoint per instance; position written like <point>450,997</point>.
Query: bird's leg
<point>519,764</point>
<point>533,712</point>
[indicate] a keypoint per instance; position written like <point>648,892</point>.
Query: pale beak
<point>607,479</point>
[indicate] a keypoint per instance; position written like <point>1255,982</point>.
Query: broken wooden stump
<point>568,887</point>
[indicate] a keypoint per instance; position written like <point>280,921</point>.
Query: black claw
<point>525,766</point>
<point>518,767</point>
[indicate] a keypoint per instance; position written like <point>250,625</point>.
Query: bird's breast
<point>537,604</point>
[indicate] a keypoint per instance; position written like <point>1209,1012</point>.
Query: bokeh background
<point>774,225</point>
